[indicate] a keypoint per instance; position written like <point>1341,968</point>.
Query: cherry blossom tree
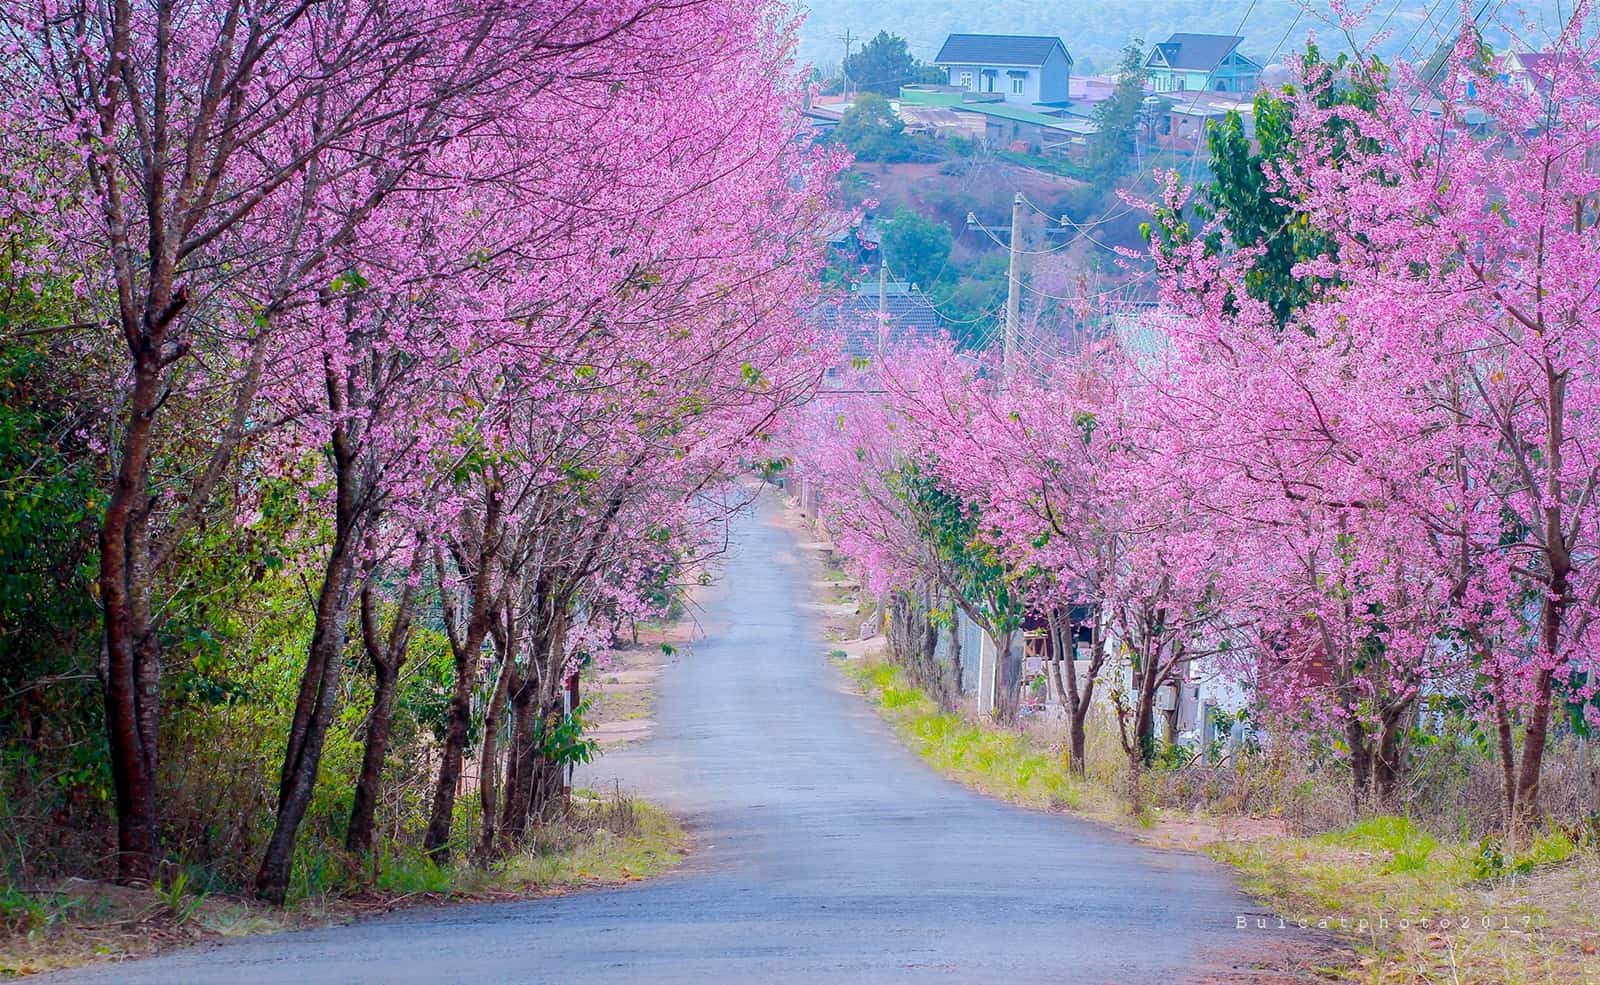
<point>1472,250</point>
<point>326,228</point>
<point>1409,453</point>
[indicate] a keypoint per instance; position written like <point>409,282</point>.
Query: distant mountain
<point>1096,30</point>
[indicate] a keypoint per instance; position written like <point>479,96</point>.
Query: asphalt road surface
<point>825,853</point>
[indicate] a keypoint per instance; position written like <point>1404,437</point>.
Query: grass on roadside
<point>1423,910</point>
<point>1417,910</point>
<point>1010,765</point>
<point>605,840</point>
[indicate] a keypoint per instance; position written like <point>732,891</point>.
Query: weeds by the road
<point>604,840</point>
<point>1000,763</point>
<point>1418,909</point>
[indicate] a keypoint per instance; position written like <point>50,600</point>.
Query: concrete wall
<point>1056,79</point>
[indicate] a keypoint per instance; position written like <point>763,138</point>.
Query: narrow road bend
<point>825,853</point>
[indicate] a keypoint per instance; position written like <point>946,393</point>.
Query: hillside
<point>1094,30</point>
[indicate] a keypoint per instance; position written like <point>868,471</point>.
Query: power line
<point>928,300</point>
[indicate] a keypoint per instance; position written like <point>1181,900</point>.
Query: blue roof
<point>998,49</point>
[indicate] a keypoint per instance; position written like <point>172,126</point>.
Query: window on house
<point>1016,86</point>
<point>966,80</point>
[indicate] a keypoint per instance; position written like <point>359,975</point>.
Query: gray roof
<point>853,318</point>
<point>1199,52</point>
<point>998,49</point>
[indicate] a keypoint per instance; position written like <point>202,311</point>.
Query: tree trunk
<point>545,779</point>
<point>312,715</point>
<point>1525,812</point>
<point>1355,735</point>
<point>1558,558</point>
<point>1008,676</point>
<point>132,651</point>
<point>386,658</point>
<point>914,644</point>
<point>488,772</point>
<point>436,842</point>
<point>955,668</point>
<point>319,682</point>
<point>519,766</point>
<point>314,711</point>
<point>1388,766</point>
<point>358,839</point>
<point>1144,719</point>
<point>1508,758</point>
<point>1078,702</point>
<point>549,778</point>
<point>466,648</point>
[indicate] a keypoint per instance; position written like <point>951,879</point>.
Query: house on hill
<point>1020,69</point>
<point>1043,129</point>
<point>1191,62</point>
<point>1185,121</point>
<point>876,314</point>
<point>1529,71</point>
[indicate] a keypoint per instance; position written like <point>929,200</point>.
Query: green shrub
<point>21,912</point>
<point>896,697</point>
<point>1408,847</point>
<point>410,871</point>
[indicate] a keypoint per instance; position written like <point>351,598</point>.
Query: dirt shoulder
<point>622,689</point>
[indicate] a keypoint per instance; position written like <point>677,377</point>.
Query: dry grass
<point>1421,910</point>
<point>604,840</point>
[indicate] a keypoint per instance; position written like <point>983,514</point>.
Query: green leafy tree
<point>971,569</point>
<point>872,131</point>
<point>1117,119</point>
<point>971,302</point>
<point>884,64</point>
<point>1240,195</point>
<point>52,753</point>
<point>916,248</point>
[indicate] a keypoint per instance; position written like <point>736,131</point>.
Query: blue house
<point>1019,69</point>
<point>1191,62</point>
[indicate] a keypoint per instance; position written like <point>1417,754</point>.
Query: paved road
<point>826,854</point>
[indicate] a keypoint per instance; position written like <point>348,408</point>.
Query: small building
<point>1183,126</point>
<point>1212,62</point>
<point>1529,71</point>
<point>941,121</point>
<point>1041,130</point>
<point>1020,69</point>
<point>864,325</point>
<point>1088,91</point>
<point>822,119</point>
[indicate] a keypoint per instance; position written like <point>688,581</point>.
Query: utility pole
<point>844,66</point>
<point>1013,288</point>
<point>883,300</point>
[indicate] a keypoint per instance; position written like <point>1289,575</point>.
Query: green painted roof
<point>998,110</point>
